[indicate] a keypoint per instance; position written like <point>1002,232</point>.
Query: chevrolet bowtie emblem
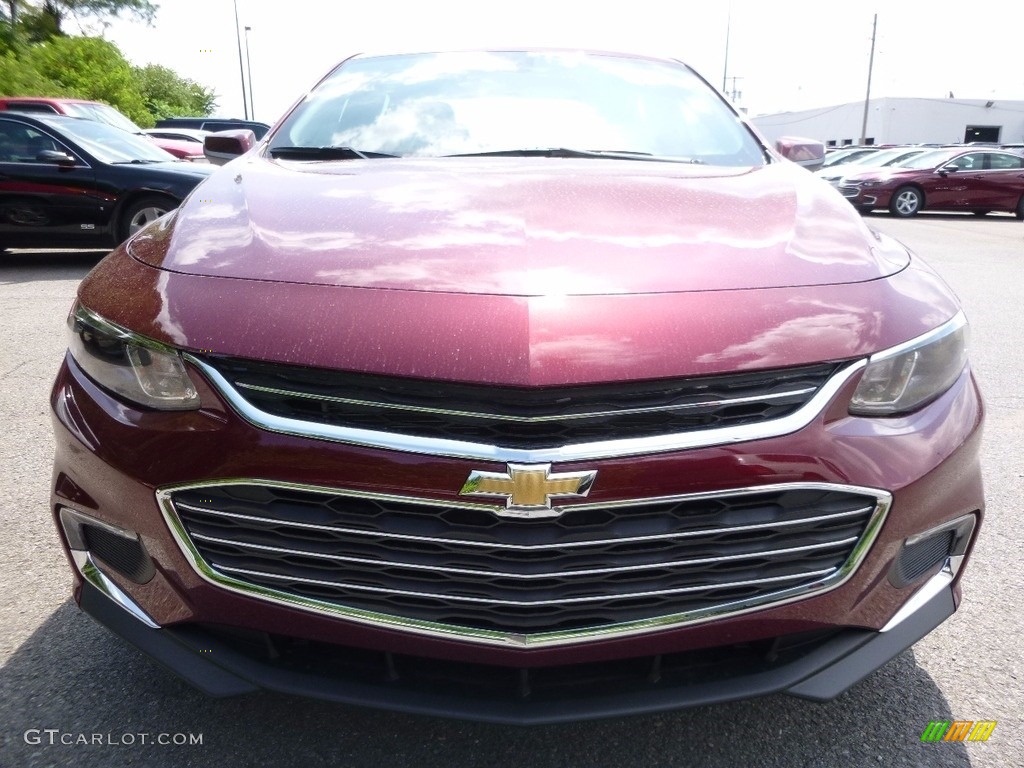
<point>528,488</point>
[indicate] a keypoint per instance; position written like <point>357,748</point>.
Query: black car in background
<point>68,181</point>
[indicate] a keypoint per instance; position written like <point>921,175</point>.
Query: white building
<point>902,121</point>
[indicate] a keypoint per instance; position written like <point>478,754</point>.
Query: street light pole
<point>725,67</point>
<point>867,97</point>
<point>241,67</point>
<point>248,69</point>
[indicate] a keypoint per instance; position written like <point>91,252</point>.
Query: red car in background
<point>953,179</point>
<point>104,113</point>
<point>523,386</point>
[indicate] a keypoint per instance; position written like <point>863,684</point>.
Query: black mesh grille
<point>484,682</point>
<point>466,567</point>
<point>121,553</point>
<point>525,418</point>
<point>919,558</point>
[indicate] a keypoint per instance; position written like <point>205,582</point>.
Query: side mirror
<point>225,146</point>
<point>948,169</point>
<point>804,152</point>
<point>56,157</point>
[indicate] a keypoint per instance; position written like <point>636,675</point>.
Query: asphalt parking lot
<point>65,679</point>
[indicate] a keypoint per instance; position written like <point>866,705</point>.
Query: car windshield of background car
<point>112,145</point>
<point>103,114</point>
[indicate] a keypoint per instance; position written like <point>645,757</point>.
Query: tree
<point>91,68</point>
<point>167,94</point>
<point>22,79</point>
<point>36,26</point>
<point>100,10</point>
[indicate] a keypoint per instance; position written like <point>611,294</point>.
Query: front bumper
<point>866,197</point>
<point>111,462</point>
<point>821,673</point>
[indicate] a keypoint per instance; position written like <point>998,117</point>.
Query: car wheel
<point>141,212</point>
<point>906,201</point>
<point>1020,208</point>
<point>981,213</point>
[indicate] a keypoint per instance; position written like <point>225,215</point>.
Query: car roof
<point>386,52</point>
<point>42,118</point>
<point>46,100</point>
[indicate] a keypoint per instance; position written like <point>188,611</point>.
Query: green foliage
<point>22,79</point>
<point>91,68</point>
<point>38,59</point>
<point>166,94</point>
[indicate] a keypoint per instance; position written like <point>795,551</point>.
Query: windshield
<point>112,145</point>
<point>845,156</point>
<point>882,157</point>
<point>103,114</point>
<point>905,157</point>
<point>434,105</point>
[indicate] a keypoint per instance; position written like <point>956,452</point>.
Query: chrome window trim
<point>604,449</point>
<point>828,582</point>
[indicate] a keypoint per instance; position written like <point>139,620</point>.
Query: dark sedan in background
<point>103,113</point>
<point>954,179</point>
<point>69,181</point>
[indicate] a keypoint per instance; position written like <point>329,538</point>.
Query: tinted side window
<point>21,143</point>
<point>972,162</point>
<point>1005,162</point>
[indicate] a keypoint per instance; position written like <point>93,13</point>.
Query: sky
<point>785,56</point>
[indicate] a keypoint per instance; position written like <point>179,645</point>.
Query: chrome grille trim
<point>529,603</point>
<point>823,581</point>
<point>532,576</point>
<point>527,419</point>
<point>604,449</point>
<point>535,547</point>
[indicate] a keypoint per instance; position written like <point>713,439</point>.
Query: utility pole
<point>734,93</point>
<point>867,97</point>
<point>725,68</point>
<point>241,65</point>
<point>248,69</point>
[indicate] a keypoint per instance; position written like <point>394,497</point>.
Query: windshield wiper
<point>136,161</point>
<point>566,152</point>
<point>324,153</point>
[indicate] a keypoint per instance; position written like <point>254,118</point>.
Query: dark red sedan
<point>524,386</point>
<point>958,179</point>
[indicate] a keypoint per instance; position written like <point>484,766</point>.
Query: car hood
<point>176,147</point>
<point>173,168</point>
<point>515,226</point>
